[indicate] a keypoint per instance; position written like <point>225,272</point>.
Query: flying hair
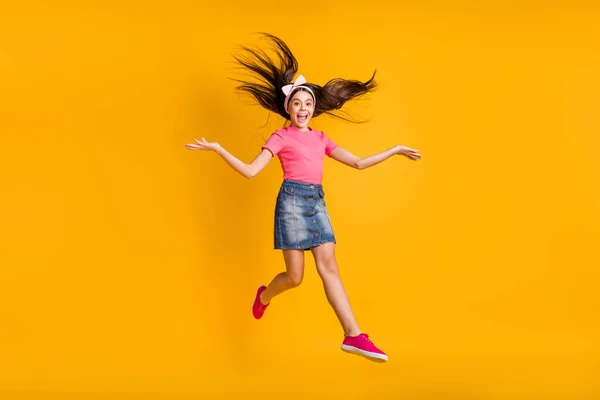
<point>273,74</point>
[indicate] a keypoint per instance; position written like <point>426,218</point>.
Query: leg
<point>355,341</point>
<point>291,278</point>
<point>334,290</point>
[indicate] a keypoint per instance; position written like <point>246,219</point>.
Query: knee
<point>294,279</point>
<point>327,267</point>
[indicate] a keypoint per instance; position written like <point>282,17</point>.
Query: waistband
<point>301,185</point>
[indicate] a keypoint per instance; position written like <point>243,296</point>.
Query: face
<point>301,108</point>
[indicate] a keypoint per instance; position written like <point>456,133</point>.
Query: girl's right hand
<point>203,145</point>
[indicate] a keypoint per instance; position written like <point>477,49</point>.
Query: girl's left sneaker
<point>362,345</point>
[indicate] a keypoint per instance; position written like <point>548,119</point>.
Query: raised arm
<point>246,170</point>
<point>345,157</point>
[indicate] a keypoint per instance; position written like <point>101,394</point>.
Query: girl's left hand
<point>408,152</point>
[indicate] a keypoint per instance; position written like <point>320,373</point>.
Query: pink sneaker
<point>258,308</point>
<point>361,345</point>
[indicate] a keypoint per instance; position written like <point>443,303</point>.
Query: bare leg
<point>291,278</point>
<point>334,290</point>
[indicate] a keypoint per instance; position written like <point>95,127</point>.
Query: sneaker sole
<point>367,354</point>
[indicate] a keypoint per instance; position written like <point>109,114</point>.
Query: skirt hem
<point>303,248</point>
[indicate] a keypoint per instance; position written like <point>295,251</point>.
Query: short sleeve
<point>274,143</point>
<point>330,145</point>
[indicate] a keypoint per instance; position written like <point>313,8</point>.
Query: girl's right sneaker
<point>361,345</point>
<point>258,308</point>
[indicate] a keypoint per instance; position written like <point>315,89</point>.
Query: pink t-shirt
<point>301,153</point>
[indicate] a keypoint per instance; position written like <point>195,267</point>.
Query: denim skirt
<point>301,218</point>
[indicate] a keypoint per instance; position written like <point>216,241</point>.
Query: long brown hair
<point>273,75</point>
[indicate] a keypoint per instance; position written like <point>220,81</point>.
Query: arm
<point>345,157</point>
<point>246,170</point>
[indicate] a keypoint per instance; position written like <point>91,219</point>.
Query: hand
<point>409,153</point>
<point>203,145</point>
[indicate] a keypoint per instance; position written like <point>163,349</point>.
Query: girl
<point>301,218</point>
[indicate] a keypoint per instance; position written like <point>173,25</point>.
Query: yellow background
<point>129,264</point>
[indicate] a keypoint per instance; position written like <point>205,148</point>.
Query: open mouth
<point>302,117</point>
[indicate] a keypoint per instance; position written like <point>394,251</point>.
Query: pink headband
<point>288,89</point>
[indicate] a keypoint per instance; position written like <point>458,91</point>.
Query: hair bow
<point>287,89</point>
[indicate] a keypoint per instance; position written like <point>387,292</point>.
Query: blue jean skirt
<point>301,217</point>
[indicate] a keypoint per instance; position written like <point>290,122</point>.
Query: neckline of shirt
<point>290,127</point>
